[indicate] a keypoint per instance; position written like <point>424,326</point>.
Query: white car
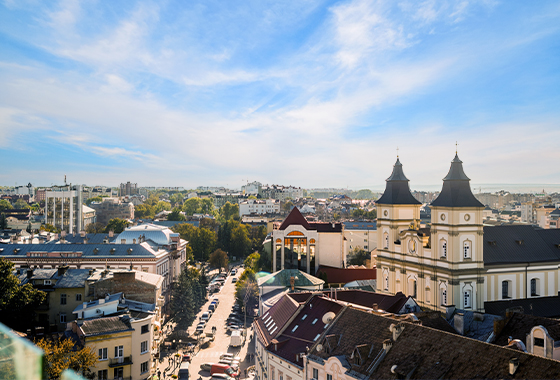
<point>205,316</point>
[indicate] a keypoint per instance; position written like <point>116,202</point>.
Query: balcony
<point>120,361</point>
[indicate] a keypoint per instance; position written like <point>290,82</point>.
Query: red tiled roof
<point>345,275</point>
<point>295,217</point>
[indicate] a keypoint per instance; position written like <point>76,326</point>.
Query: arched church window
<point>467,299</point>
<point>385,240</point>
<point>295,233</point>
<point>467,249</point>
<point>443,248</point>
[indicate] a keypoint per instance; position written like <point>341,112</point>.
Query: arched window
<point>386,280</point>
<point>443,248</point>
<point>312,241</point>
<point>443,297</point>
<point>535,285</point>
<point>467,249</point>
<point>295,233</point>
<point>412,288</point>
<point>467,299</point>
<point>506,289</point>
<point>385,240</point>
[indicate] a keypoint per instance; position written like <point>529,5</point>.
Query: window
<point>443,248</point>
<point>118,373</point>
<point>103,353</point>
<point>144,347</point>
<point>102,375</point>
<point>305,316</point>
<point>538,342</point>
<point>315,373</point>
<point>386,280</point>
<point>62,317</point>
<point>329,377</point>
<point>78,297</point>
<point>506,289</point>
<point>314,321</point>
<point>466,249</point>
<point>63,299</point>
<point>385,240</point>
<point>144,367</point>
<point>47,282</point>
<point>119,351</point>
<point>534,287</point>
<point>145,329</point>
<point>280,375</point>
<point>272,373</point>
<point>467,302</point>
<point>443,297</point>
<point>295,328</point>
<point>412,288</point>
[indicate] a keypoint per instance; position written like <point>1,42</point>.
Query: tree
<point>144,211</point>
<point>49,228</point>
<point>247,290</point>
<point>363,194</point>
<point>229,211</point>
<point>176,215</point>
<point>95,228</point>
<point>202,240</point>
<point>17,303</point>
<point>176,199</point>
<point>60,354</point>
<point>189,294</point>
<point>29,229</point>
<point>3,222</point>
<point>218,259</point>
<point>287,206</point>
<point>358,256</point>
<point>21,204</point>
<point>252,262</point>
<point>5,205</point>
<point>192,206</point>
<point>94,200</point>
<point>240,243</point>
<point>116,225</point>
<point>162,206</point>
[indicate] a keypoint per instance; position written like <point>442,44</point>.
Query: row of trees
<point>189,294</point>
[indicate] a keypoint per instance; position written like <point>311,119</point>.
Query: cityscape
<point>316,190</point>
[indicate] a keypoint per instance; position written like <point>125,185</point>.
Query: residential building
<point>128,189</point>
<point>282,193</point>
<point>361,235</point>
<point>253,188</point>
<point>258,207</point>
<point>89,216</point>
<point>63,208</point>
<point>111,208</point>
<point>303,245</point>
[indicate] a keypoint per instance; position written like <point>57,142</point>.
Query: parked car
<point>184,371</point>
<point>187,358</point>
<point>229,356</point>
<point>221,376</point>
<point>206,366</point>
<point>201,324</point>
<point>234,280</point>
<point>212,307</point>
<point>223,368</point>
<point>205,316</point>
<point>234,327</point>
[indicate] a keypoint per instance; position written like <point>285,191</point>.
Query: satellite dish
<point>328,317</point>
<point>319,347</point>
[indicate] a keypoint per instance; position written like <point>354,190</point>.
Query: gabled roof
<point>456,191</point>
<point>107,325</point>
<point>87,250</point>
<point>519,325</point>
<point>295,218</point>
<point>539,306</point>
<point>519,244</point>
<point>271,322</point>
<point>282,278</point>
<point>397,190</point>
<point>345,275</point>
<point>73,278</point>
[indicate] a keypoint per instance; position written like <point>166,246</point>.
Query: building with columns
<point>63,208</point>
<point>303,245</point>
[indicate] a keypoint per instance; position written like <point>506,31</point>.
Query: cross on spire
<point>456,147</point>
<point>397,152</point>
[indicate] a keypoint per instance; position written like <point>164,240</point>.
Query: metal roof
<point>73,278</point>
<point>456,191</point>
<point>158,234</point>
<point>87,250</point>
<point>397,190</point>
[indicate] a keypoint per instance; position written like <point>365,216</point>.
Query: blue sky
<point>307,93</point>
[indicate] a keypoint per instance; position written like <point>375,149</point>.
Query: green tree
<point>240,243</point>
<point>207,206</point>
<point>247,290</point>
<point>229,211</point>
<point>29,229</point>
<point>358,256</point>
<point>144,211</point>
<point>176,215</point>
<point>202,240</point>
<point>95,228</point>
<point>5,205</point>
<point>21,204</point>
<point>17,302</point>
<point>252,262</point>
<point>35,207</point>
<point>49,228</point>
<point>176,199</point>
<point>189,294</point>
<point>61,354</point>
<point>218,259</point>
<point>152,200</point>
<point>3,222</point>
<point>192,206</point>
<point>257,234</point>
<point>363,194</point>
<point>116,225</point>
<point>287,206</point>
<point>211,224</point>
<point>162,206</point>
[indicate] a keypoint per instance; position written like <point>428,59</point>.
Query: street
<point>211,354</point>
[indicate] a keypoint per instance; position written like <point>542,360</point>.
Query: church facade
<point>457,260</point>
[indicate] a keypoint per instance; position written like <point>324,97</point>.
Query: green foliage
<point>161,206</point>
<point>358,256</point>
<point>5,205</point>
<point>176,199</point>
<point>29,228</point>
<point>189,294</point>
<point>211,224</point>
<point>49,228</point>
<point>252,197</point>
<point>35,207</point>
<point>362,194</point>
<point>240,245</point>
<point>3,222</point>
<point>229,211</point>
<point>144,211</point>
<point>116,225</point>
<point>246,289</point>
<point>17,303</point>
<point>192,206</point>
<point>152,200</point>
<point>95,228</point>
<point>252,262</point>
<point>218,259</point>
<point>21,204</point>
<point>257,234</point>
<point>202,240</point>
<point>60,354</point>
<point>176,215</point>
<point>364,214</point>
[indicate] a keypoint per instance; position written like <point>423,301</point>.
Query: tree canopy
<point>95,228</point>
<point>219,259</point>
<point>364,214</point>
<point>247,290</point>
<point>49,228</point>
<point>144,211</point>
<point>229,211</point>
<point>5,205</point>
<point>17,302</point>
<point>176,215</point>
<point>21,204</point>
<point>189,294</point>
<point>358,256</point>
<point>202,240</point>
<point>116,225</point>
<point>60,354</point>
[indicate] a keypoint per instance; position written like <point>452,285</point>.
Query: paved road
<point>222,339</point>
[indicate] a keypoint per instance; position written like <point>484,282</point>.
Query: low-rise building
<point>258,207</point>
<point>111,208</point>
